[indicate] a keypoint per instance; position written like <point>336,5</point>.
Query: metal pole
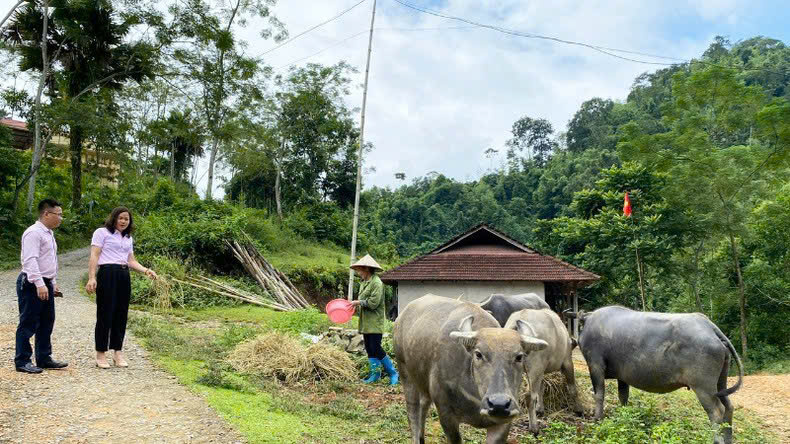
<point>575,310</point>
<point>359,159</point>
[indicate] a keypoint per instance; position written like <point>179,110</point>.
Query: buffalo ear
<point>465,335</point>
<point>529,342</point>
<point>523,328</point>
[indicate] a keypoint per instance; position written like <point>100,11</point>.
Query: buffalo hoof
<point>535,428</point>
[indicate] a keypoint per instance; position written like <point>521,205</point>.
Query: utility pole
<point>359,159</point>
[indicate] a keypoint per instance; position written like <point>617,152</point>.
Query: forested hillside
<point>702,148</point>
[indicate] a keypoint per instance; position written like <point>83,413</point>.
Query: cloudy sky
<point>438,98</point>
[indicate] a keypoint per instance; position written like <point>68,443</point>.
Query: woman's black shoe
<point>29,368</point>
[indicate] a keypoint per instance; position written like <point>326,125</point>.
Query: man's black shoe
<point>52,364</point>
<point>29,368</point>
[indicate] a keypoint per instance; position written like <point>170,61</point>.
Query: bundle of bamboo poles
<point>226,290</point>
<point>269,278</point>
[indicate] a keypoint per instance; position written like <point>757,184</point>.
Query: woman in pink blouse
<point>112,251</point>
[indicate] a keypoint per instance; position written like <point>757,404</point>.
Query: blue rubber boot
<point>375,371</point>
<point>390,368</point>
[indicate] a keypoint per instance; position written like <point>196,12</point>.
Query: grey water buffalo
<point>457,356</point>
<point>660,353</point>
<point>501,306</point>
<point>546,325</point>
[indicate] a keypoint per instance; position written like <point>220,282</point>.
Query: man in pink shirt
<point>36,288</point>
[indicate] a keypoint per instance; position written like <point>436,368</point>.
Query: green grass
<point>309,321</point>
<point>192,345</point>
<point>304,254</point>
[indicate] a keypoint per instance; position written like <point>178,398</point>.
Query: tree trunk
<point>38,149</point>
<point>211,160</point>
<point>156,164</point>
<point>741,294</point>
<point>641,279</point>
<point>173,161</point>
<point>75,148</point>
<point>695,279</point>
<point>11,12</point>
<point>277,196</point>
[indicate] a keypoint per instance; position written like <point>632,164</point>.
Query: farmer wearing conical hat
<point>372,319</point>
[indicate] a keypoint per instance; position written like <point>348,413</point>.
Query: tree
<point>180,135</point>
<point>599,238</point>
<point>534,137</point>
<point>590,126</point>
<point>319,136</point>
<point>723,141</point>
<point>214,58</point>
<point>86,40</point>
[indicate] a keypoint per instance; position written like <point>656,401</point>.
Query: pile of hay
<point>556,399</point>
<point>285,358</point>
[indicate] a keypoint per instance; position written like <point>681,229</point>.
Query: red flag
<point>627,206</point>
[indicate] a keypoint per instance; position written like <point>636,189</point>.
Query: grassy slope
<point>192,344</point>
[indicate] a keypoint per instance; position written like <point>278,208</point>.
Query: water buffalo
<point>501,306</point>
<point>660,353</point>
<point>457,356</point>
<point>546,325</point>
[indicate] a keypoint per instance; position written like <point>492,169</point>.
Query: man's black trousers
<point>36,318</point>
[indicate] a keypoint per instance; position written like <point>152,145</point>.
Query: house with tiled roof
<point>22,139</point>
<point>483,261</point>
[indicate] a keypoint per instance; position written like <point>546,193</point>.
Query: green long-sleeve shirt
<point>372,318</point>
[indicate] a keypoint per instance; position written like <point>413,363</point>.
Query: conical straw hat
<point>367,261</point>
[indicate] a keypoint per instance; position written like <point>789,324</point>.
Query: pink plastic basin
<point>339,311</point>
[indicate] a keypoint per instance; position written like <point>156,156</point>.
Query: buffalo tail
<point>726,341</point>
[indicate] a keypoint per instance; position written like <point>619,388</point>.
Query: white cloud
<point>716,9</point>
<point>439,98</point>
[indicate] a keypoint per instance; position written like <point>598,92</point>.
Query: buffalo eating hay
<point>556,398</point>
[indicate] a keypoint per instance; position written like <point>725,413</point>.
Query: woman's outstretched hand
<point>151,274</point>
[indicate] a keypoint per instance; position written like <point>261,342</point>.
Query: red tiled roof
<point>16,124</point>
<point>484,254</point>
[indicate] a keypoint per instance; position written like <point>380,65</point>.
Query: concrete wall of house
<point>472,291</point>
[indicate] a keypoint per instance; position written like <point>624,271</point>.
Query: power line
<point>323,50</point>
<point>601,49</point>
<point>340,42</point>
<point>527,35</point>
<point>342,13</point>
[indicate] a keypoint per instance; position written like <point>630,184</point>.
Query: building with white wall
<point>484,261</point>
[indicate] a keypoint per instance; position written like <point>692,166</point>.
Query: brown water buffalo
<point>501,306</point>
<point>546,325</point>
<point>660,353</point>
<point>457,356</point>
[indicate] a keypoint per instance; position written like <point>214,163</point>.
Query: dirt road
<point>84,404</point>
